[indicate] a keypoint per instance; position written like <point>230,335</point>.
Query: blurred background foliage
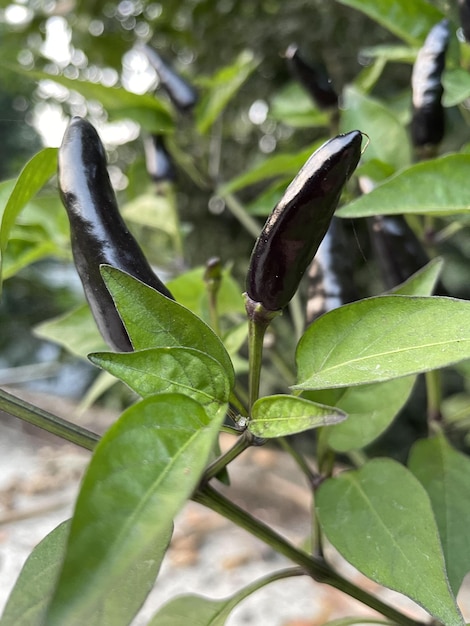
<point>248,135</point>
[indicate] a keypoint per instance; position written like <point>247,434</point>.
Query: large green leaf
<point>383,338</point>
<point>154,321</point>
<point>411,20</point>
<point>380,519</point>
<point>75,330</point>
<point>27,603</point>
<point>168,370</point>
<point>34,175</point>
<point>445,474</point>
<point>222,87</point>
<point>153,114</point>
<point>389,141</point>
<point>281,415</point>
<point>142,472</point>
<point>433,187</point>
<point>370,409</point>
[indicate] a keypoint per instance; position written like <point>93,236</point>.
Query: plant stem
<point>434,397</point>
<point>238,210</point>
<point>299,459</point>
<point>47,421</point>
<point>314,567</point>
<point>243,442</point>
<point>256,331</point>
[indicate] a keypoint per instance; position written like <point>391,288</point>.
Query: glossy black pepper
<point>299,222</point>
<point>98,232</point>
<point>158,160</point>
<point>181,93</point>
<point>313,78</point>
<point>427,124</point>
<point>464,13</point>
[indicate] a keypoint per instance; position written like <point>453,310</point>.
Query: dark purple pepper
<point>158,160</point>
<point>427,124</point>
<point>313,78</point>
<point>98,232</point>
<point>399,252</point>
<point>464,13</point>
<point>330,275</point>
<point>182,95</point>
<point>298,223</point>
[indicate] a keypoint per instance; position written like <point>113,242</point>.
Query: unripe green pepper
<point>182,95</point>
<point>298,223</point>
<point>427,124</point>
<point>313,78</point>
<point>98,232</point>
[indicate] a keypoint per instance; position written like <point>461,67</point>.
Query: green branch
<point>47,421</point>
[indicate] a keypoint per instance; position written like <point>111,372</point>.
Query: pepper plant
<point>402,525</point>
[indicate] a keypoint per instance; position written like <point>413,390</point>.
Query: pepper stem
<point>259,319</point>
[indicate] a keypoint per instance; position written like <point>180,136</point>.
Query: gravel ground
<point>39,478</point>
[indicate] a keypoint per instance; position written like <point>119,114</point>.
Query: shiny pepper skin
<point>427,124</point>
<point>399,252</point>
<point>183,96</point>
<point>314,79</point>
<point>299,222</point>
<point>98,232</point>
<point>158,160</point>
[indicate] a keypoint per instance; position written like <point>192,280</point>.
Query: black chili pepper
<point>427,124</point>
<point>182,95</point>
<point>313,78</point>
<point>398,250</point>
<point>98,232</point>
<point>158,160</point>
<point>298,223</point>
<point>464,12</point>
<point>330,282</point>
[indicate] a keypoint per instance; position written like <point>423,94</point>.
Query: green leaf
<point>433,187</point>
<point>35,585</point>
<point>383,338</point>
<point>391,52</point>
<point>201,611</point>
<point>456,83</point>
<point>76,331</point>
<point>388,138</point>
<point>380,519</point>
<point>155,211</point>
<point>221,88</point>
<point>154,321</point>
<point>141,474</point>
<point>281,415</point>
<point>422,282</point>
<point>293,106</point>
<point>445,474</point>
<point>370,409</point>
<point>153,114</point>
<point>277,165</point>
<point>410,20</point>
<point>168,370</point>
<point>32,178</point>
